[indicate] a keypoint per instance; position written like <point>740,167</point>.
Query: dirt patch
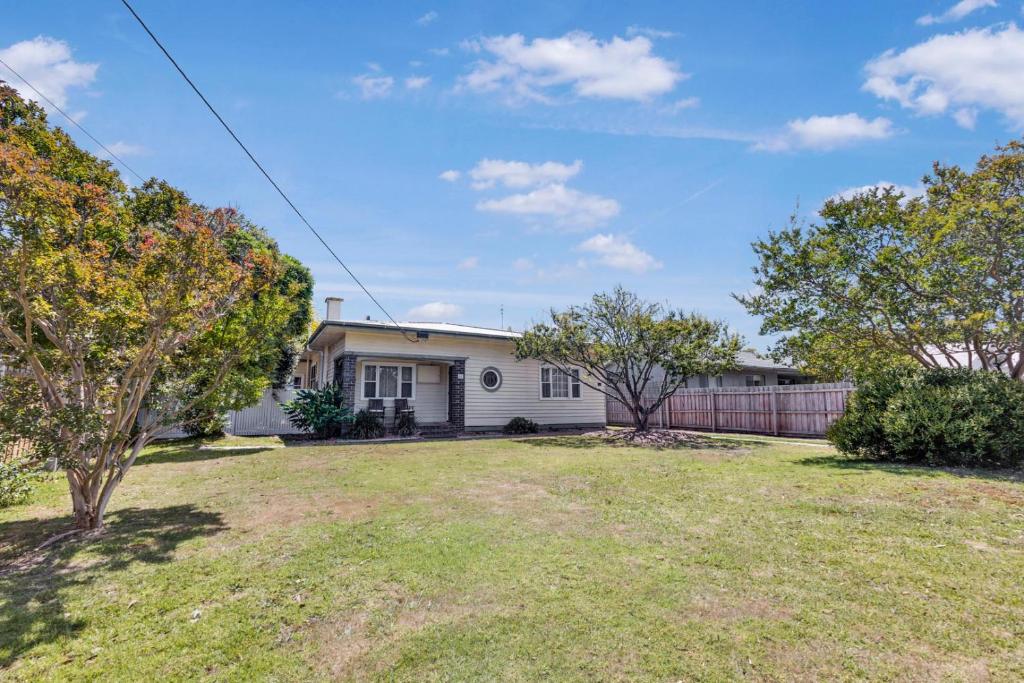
<point>1012,497</point>
<point>345,647</point>
<point>653,438</point>
<point>716,607</point>
<point>547,507</point>
<point>267,513</point>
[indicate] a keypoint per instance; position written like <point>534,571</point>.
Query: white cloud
<point>435,311</point>
<point>450,175</point>
<point>615,69</point>
<point>47,64</point>
<point>469,263</point>
<point>571,208</point>
<point>956,12</point>
<point>374,87</point>
<point>522,264</point>
<point>827,133</point>
<point>428,18</point>
<point>958,72</point>
<point>416,82</point>
<point>909,191</point>
<point>439,51</point>
<point>517,174</point>
<point>966,117</point>
<point>616,251</point>
<point>635,30</point>
<point>125,149</point>
<point>680,105</point>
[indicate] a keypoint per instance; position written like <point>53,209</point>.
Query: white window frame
<point>376,375</point>
<point>574,379</point>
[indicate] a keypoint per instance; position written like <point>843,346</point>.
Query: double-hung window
<point>555,384</point>
<point>388,381</point>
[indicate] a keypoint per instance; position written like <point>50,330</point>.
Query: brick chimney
<point>333,313</point>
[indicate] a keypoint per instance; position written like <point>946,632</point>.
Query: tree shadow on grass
<point>853,465</point>
<point>190,452</point>
<point>34,585</point>
<point>688,441</point>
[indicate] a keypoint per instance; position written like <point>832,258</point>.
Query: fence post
<point>714,416</point>
<point>774,400</point>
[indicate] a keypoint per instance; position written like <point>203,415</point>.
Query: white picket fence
<point>263,419</point>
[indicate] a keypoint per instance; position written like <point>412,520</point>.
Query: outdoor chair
<point>376,408</point>
<point>402,408</point>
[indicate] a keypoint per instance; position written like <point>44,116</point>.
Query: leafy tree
<point>296,281</point>
<point>277,356</point>
<point>631,350</point>
<point>885,280</point>
<point>121,311</point>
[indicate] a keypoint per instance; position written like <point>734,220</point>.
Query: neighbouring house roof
<point>746,359</point>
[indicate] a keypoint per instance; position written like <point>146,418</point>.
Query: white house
<point>458,378</point>
<point>753,371</point>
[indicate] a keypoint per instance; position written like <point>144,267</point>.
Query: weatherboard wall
<point>518,395</point>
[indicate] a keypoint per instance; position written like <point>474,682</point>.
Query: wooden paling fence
<point>794,410</point>
<point>15,451</point>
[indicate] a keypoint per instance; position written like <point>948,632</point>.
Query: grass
<point>551,557</point>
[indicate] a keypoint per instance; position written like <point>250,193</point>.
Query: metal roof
<point>438,328</point>
<point>746,359</point>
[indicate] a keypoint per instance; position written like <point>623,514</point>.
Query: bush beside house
<point>521,425</point>
<point>320,412</point>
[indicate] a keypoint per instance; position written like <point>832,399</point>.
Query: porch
<point>433,386</point>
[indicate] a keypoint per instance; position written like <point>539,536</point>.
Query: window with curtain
<point>388,381</point>
<point>557,384</point>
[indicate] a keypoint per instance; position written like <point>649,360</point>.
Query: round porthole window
<point>490,379</point>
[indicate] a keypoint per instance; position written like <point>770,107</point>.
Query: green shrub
<point>319,411</point>
<point>859,431</point>
<point>406,424</point>
<point>16,480</point>
<point>959,418</point>
<point>204,423</point>
<point>521,425</point>
<point>366,426</point>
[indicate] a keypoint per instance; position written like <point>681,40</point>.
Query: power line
<point>73,122</point>
<point>263,170</point>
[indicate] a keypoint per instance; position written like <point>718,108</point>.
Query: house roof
<point>435,328</point>
<point>746,359</point>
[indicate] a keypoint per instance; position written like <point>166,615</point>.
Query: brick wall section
<point>457,395</point>
<point>345,375</point>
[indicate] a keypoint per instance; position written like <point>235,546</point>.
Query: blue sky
<point>462,158</point>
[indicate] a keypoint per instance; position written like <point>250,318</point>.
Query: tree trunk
<point>87,504</point>
<point>640,418</point>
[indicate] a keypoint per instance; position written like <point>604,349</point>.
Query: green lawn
<point>552,557</point>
